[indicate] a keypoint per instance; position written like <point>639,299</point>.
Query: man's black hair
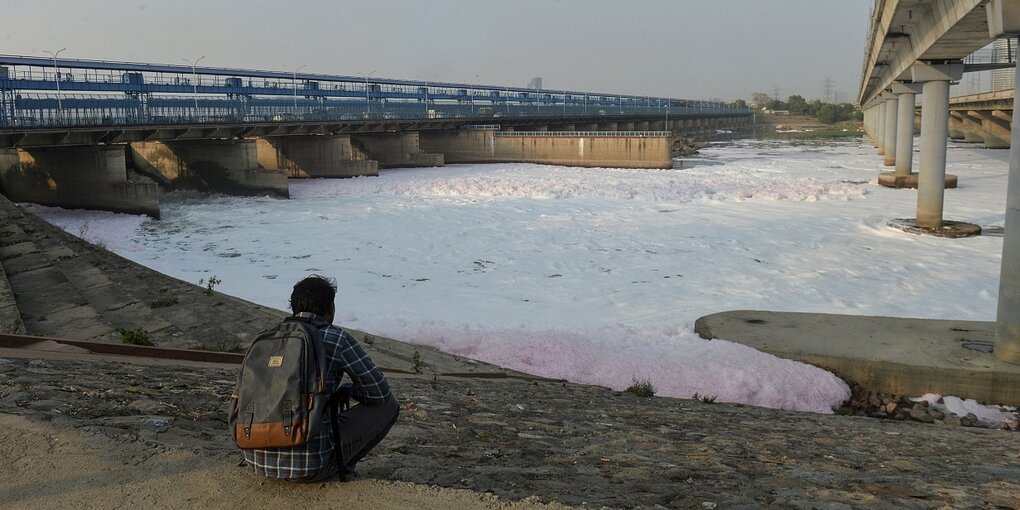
<point>314,294</point>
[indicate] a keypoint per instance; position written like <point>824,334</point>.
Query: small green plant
<point>416,362</point>
<point>369,339</point>
<point>704,399</point>
<point>641,388</point>
<point>137,336</point>
<point>211,284</point>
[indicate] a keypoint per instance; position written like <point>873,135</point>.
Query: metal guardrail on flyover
<point>37,92</point>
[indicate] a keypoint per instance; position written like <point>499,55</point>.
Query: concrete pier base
<point>950,229</point>
<point>86,177</point>
<point>894,180</point>
<point>314,156</point>
<point>224,166</point>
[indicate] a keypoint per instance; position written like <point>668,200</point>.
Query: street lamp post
<point>368,100</point>
<point>56,71</point>
<point>293,84</point>
<point>194,80</point>
<point>666,125</point>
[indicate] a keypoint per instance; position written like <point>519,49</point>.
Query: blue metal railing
<point>40,92</point>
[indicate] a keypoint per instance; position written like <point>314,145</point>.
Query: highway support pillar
<point>889,144</point>
<point>880,142</point>
<point>931,183</point>
<point>869,120</point>
<point>1007,330</point>
<point>905,96</point>
<point>904,140</point>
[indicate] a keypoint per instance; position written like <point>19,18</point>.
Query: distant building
<point>535,83</point>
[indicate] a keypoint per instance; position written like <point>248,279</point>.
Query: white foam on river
<point>596,275</point>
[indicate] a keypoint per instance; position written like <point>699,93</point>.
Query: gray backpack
<point>280,397</point>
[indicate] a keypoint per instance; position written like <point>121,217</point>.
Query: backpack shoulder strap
<point>318,345</point>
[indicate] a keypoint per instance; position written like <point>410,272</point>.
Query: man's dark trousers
<point>360,428</point>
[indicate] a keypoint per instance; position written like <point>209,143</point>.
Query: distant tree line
<point>826,113</point>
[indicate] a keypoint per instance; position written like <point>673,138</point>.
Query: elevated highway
<point>920,47</point>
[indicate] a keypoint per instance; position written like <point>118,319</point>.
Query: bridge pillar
<point>880,143</point>
<point>932,182</point>
<point>86,177</point>
<point>394,150</point>
<point>956,125</point>
<point>889,140</point>
<point>995,125</point>
<point>224,166</point>
<point>905,96</point>
<point>314,156</point>
<point>1007,330</point>
<point>608,126</point>
<point>973,131</point>
<point>878,117</point>
<point>867,124</point>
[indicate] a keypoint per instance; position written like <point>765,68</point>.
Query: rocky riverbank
<point>557,442</point>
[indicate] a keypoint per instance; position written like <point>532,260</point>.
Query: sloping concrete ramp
<point>908,357</point>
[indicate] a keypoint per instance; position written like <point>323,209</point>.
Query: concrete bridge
<point>982,118</point>
<point>919,47</point>
<point>105,135</point>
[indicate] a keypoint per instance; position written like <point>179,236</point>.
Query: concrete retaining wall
<point>75,177</point>
<point>226,166</point>
<point>313,156</point>
<point>616,151</point>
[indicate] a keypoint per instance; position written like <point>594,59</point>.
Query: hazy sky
<point>682,48</point>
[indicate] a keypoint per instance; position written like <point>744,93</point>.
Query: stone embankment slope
<point>84,430</point>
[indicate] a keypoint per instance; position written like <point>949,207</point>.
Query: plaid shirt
<point>344,355</point>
